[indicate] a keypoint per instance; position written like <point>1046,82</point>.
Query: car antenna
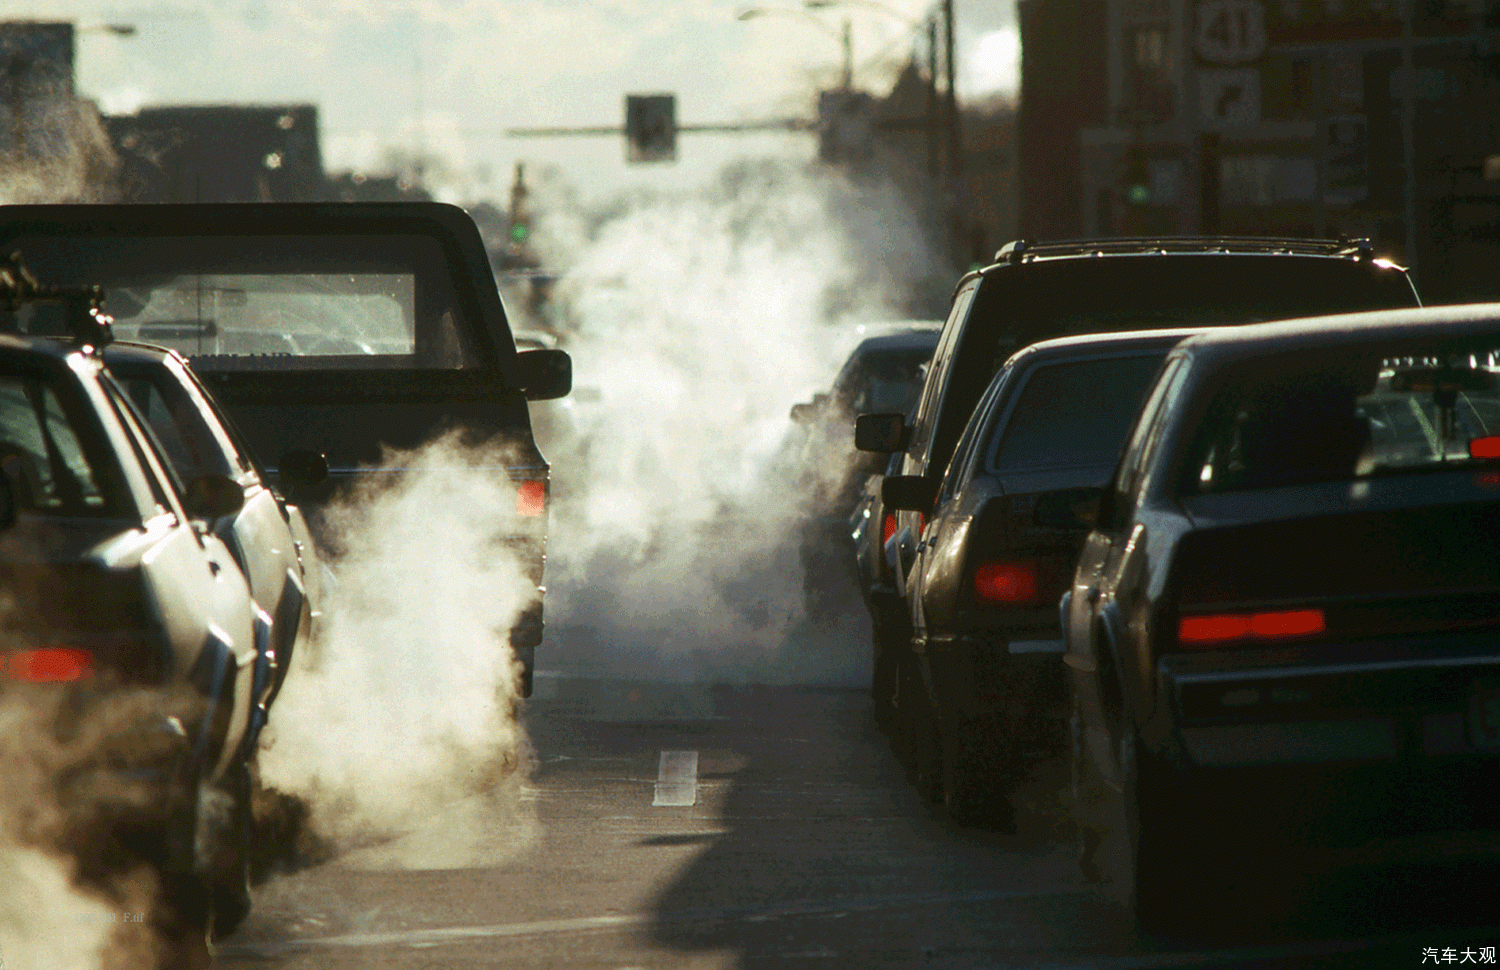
<point>83,306</point>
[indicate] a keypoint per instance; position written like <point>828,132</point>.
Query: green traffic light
<point>1139,194</point>
<point>519,232</point>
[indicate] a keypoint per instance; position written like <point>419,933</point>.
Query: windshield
<point>887,381</point>
<point>1345,420</point>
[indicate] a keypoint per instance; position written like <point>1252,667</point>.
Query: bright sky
<point>461,71</point>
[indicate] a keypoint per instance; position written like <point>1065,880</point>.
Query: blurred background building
<point>1376,118</point>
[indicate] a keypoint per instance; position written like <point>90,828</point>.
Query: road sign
<point>1229,31</point>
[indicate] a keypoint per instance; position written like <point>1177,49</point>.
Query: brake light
<point>888,528</point>
<point>1485,447</point>
<point>47,665</point>
<point>1006,582</point>
<point>531,497</point>
<point>1211,630</point>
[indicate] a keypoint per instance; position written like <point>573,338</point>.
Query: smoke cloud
<point>700,319</point>
<point>75,893</point>
<point>400,723</point>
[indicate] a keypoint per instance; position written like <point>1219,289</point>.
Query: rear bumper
<point>1389,737</point>
<point>996,672</point>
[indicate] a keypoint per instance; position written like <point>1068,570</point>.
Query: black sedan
<point>983,686</point>
<point>1282,632</point>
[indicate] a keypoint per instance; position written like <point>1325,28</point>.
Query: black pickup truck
<point>334,330</point>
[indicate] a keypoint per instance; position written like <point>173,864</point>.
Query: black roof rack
<point>1023,249</point>
<point>83,306</point>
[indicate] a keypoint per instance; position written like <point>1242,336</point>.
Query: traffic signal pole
<point>955,133</point>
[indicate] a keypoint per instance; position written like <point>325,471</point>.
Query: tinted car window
<point>1074,413</point>
<point>41,453</point>
<point>1356,416</point>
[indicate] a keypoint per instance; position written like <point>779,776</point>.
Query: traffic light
<point>651,127</point>
<point>1135,178</point>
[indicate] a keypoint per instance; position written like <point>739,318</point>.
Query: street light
<point>119,30</point>
<point>843,36</point>
<point>930,25</point>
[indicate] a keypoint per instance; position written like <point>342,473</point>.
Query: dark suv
<point>1038,291</point>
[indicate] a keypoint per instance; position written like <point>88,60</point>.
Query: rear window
<point>273,303</point>
<point>1074,414</point>
<point>1271,426</point>
<point>886,382</point>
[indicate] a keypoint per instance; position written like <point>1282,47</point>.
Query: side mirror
<point>911,493</point>
<point>544,375</point>
<point>302,468</point>
<point>1068,508</point>
<point>212,496</point>
<point>884,433</point>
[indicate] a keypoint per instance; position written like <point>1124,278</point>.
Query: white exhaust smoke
<point>700,319</point>
<point>402,715</point>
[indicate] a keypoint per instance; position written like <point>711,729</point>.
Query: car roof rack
<point>1023,249</point>
<point>83,306</point>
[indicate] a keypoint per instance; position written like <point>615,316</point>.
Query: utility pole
<point>1408,134</point>
<point>955,134</point>
<point>932,97</point>
<point>848,43</point>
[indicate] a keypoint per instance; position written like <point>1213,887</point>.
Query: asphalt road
<point>683,827</point>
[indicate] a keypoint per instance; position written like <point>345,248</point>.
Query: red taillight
<point>531,498</point>
<point>48,665</point>
<point>1485,447</point>
<point>888,528</point>
<point>1201,632</point>
<point>1006,582</point>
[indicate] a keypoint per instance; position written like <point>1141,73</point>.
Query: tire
<point>230,866</point>
<point>1165,871</point>
<point>883,683</point>
<point>916,740</point>
<point>973,786</point>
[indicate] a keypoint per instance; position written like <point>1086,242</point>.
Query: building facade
<point>1376,118</point>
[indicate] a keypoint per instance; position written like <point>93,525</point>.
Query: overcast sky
<point>453,75</point>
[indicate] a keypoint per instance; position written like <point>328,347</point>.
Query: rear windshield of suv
<point>274,302</point>
<point>1074,414</point>
<point>1270,426</point>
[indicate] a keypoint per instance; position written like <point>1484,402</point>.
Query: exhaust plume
<point>400,722</point>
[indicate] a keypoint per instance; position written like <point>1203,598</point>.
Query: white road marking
<point>676,779</point>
